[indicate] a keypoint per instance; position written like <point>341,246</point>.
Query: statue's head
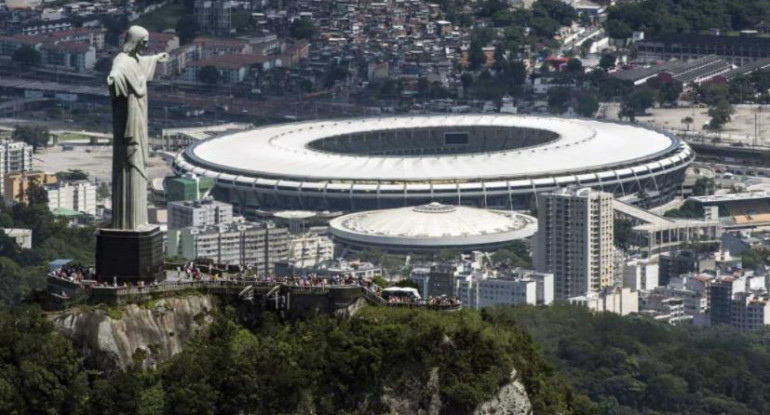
<point>136,40</point>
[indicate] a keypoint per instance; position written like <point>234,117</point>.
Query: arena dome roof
<point>432,225</point>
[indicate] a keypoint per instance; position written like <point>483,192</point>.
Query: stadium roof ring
<point>499,161</point>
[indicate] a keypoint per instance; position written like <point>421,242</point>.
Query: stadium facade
<point>491,161</point>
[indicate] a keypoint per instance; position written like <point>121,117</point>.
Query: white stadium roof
<point>433,225</point>
<point>282,151</point>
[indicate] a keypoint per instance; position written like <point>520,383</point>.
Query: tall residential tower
<point>575,240</point>
<point>15,157</point>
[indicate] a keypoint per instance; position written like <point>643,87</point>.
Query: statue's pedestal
<point>129,255</point>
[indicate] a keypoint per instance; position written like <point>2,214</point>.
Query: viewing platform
<point>289,296</point>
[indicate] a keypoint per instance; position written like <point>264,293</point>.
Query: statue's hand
<point>162,57</point>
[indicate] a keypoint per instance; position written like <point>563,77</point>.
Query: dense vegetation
<point>755,257</point>
<point>23,271</point>
<point>323,365</point>
<point>634,365</point>
<point>357,365</point>
<point>662,17</point>
<point>688,210</point>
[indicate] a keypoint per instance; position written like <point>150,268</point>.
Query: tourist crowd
<point>74,273</point>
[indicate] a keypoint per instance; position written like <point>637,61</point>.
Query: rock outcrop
<point>512,399</point>
<point>421,396</point>
<point>145,334</point>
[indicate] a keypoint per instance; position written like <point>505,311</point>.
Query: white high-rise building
<point>311,248</point>
<point>641,274</point>
<point>525,287</point>
<point>79,196</point>
<point>575,240</point>
<point>480,288</point>
<point>260,245</point>
<point>184,214</point>
<point>618,300</point>
<point>15,156</point>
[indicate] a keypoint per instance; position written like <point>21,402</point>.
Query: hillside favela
<point>430,207</point>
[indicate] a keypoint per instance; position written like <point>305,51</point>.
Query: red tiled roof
<point>161,36</point>
<point>71,47</point>
<point>231,61</point>
<point>216,42</point>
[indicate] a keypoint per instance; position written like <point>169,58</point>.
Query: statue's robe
<point>128,89</point>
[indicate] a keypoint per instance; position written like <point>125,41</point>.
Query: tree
<point>585,47</point>
<point>703,186</point>
<point>103,191</point>
<point>544,27</point>
<point>669,92</point>
<point>511,72</point>
<point>302,29</point>
<point>335,72</point>
<point>558,100</point>
<point>623,231</point>
<point>34,135</point>
<point>476,56</point>
<point>36,195</point>
<point>423,88</point>
<point>755,257</point>
<point>640,100</point>
<point>607,61</point>
<point>619,30</point>
<point>503,18</point>
<point>575,66</point>
<point>514,255</point>
<point>40,370</point>
<point>687,121</point>
<point>115,25</point>
<point>187,28</point>
<point>627,111</point>
<point>586,104</point>
<point>561,12</point>
<point>720,114</point>
<point>467,80</point>
<point>483,35</point>
<point>27,57</point>
<point>713,94</point>
<point>209,75</point>
<point>72,175</point>
<point>445,255</point>
<point>407,283</point>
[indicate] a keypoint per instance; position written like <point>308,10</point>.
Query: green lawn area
<point>162,18</point>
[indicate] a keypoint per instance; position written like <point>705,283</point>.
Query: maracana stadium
<point>489,161</point>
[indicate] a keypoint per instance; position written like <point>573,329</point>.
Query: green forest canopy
<point>635,365</point>
<point>663,17</point>
<point>323,365</point>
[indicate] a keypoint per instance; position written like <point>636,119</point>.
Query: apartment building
<point>197,213</point>
<point>260,245</point>
<point>15,156</point>
<point>79,196</point>
<point>575,240</point>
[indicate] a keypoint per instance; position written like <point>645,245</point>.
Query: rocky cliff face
<point>421,396</point>
<point>512,399</point>
<point>146,334</point>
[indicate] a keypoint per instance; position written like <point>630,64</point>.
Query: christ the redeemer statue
<point>128,89</point>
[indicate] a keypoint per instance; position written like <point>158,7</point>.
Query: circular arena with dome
<point>491,161</point>
<point>430,228</point>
